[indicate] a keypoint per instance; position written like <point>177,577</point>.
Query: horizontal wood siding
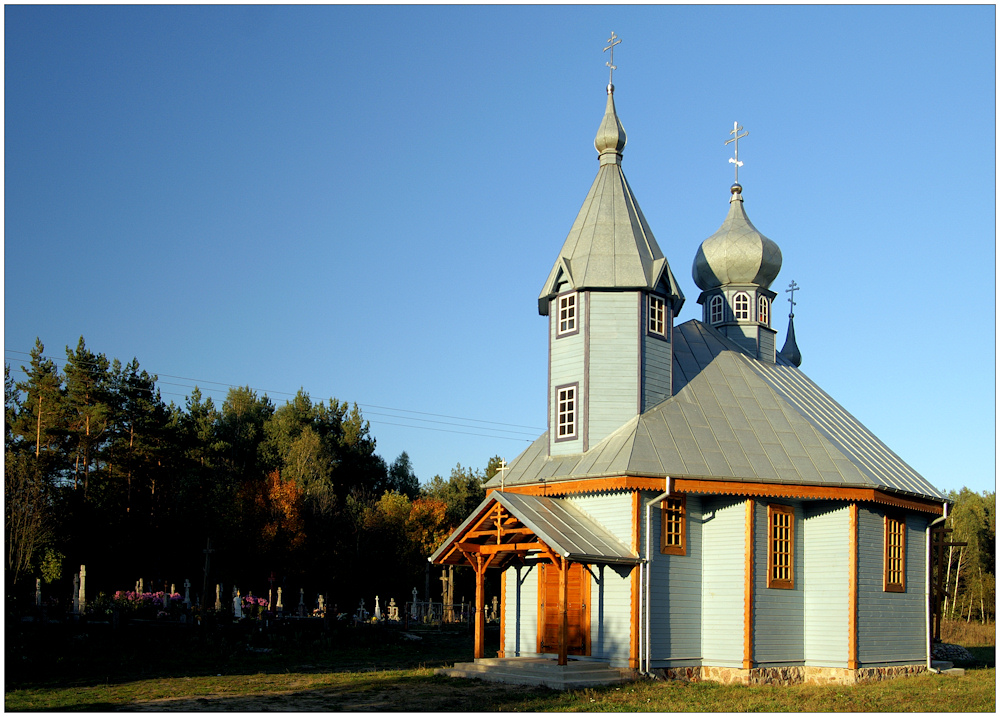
<point>521,611</point>
<point>766,345</point>
<point>613,390</point>
<point>722,585</point>
<point>826,582</point>
<point>890,625</point>
<point>779,616</point>
<point>656,366</point>
<point>676,593</point>
<point>610,588</point>
<point>565,367</point>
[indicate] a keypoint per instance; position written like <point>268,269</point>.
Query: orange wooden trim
<point>540,632</point>
<point>493,532</point>
<point>586,577</point>
<point>697,485</point>
<point>748,577</point>
<point>852,588</point>
<point>503,613</point>
<point>635,586</point>
<point>563,612</point>
<point>490,548</point>
<point>777,490</point>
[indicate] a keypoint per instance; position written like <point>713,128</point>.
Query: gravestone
<point>378,612</point>
<point>413,605</point>
<point>320,605</point>
<point>237,604</point>
<point>302,602</point>
<point>173,589</point>
<point>279,606</point>
<point>393,610</point>
<point>38,592</point>
<point>83,589</point>
<point>140,589</point>
<point>218,597</point>
<point>187,592</point>
<point>361,612</point>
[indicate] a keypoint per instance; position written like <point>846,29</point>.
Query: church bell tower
<point>611,299</point>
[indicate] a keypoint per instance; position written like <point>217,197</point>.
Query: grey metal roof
<point>559,523</point>
<point>734,417</point>
<point>610,245</point>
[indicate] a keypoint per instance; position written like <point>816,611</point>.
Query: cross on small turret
<point>736,148</point>
<point>612,41</point>
<point>792,288</point>
<point>502,470</point>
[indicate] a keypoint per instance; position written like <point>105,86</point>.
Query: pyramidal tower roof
<point>610,245</point>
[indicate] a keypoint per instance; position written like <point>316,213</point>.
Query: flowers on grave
<point>159,603</point>
<point>254,607</point>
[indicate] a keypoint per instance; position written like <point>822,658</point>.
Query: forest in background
<point>100,471</point>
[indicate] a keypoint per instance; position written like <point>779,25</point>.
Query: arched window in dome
<point>715,310</point>
<point>763,313</point>
<point>741,306</point>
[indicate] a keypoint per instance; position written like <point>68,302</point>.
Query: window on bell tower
<point>715,312</point>
<point>741,306</point>
<point>657,316</point>
<point>567,315</point>
<point>762,311</point>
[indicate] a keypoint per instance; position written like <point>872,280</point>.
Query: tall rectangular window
<point>780,546</point>
<point>715,310</point>
<point>657,316</point>
<point>894,577</point>
<point>567,315</point>
<point>566,412</point>
<point>673,532</point>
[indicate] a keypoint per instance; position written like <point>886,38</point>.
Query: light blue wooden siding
<point>779,617</point>
<point>743,335</point>
<point>521,611</point>
<point>613,383</point>
<point>723,541</point>
<point>657,363</point>
<point>676,593</point>
<point>610,587</point>
<point>766,344</point>
<point>566,366</point>
<point>826,582</point>
<point>890,625</point>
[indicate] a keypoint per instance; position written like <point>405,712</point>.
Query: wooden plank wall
<point>890,625</point>
<point>779,615</point>
<point>826,582</point>
<point>614,353</point>
<point>722,584</point>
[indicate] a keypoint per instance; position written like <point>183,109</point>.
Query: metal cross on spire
<point>792,288</point>
<point>736,138</point>
<point>502,469</point>
<point>612,41</point>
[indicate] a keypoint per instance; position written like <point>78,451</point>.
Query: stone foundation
<point>795,675</point>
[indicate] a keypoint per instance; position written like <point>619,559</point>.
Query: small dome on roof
<point>610,139</point>
<point>737,253</point>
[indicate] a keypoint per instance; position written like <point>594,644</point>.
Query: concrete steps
<point>538,671</point>
<point>947,668</point>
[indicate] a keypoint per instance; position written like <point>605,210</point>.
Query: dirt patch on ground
<point>432,695</point>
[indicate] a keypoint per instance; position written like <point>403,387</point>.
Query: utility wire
<point>198,383</point>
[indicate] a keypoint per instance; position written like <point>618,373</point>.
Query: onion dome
<point>737,253</point>
<point>610,139</point>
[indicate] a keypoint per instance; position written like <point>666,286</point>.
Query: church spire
<point>791,350</point>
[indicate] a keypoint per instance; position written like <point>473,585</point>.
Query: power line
<point>200,384</point>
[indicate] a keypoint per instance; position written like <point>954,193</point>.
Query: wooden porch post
<point>480,608</point>
<point>563,611</point>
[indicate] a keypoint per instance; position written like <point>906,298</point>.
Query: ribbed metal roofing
<point>734,417</point>
<point>610,245</point>
<point>559,523</point>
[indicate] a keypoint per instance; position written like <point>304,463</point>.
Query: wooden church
<point>698,507</point>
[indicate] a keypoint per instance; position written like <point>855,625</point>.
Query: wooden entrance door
<point>577,613</point>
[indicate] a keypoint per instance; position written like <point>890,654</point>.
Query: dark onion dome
<point>737,253</point>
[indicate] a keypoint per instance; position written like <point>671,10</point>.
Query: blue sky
<point>365,201</point>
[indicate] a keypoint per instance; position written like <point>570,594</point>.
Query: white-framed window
<point>715,310</point>
<point>763,312</point>
<point>657,316</point>
<point>567,315</point>
<point>566,412</point>
<point>741,306</point>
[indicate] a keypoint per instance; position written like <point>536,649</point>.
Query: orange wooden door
<point>577,613</point>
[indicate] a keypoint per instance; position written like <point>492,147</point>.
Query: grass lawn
<point>369,670</point>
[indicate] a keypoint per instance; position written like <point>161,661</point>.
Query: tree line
<point>99,470</point>
<point>970,569</point>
